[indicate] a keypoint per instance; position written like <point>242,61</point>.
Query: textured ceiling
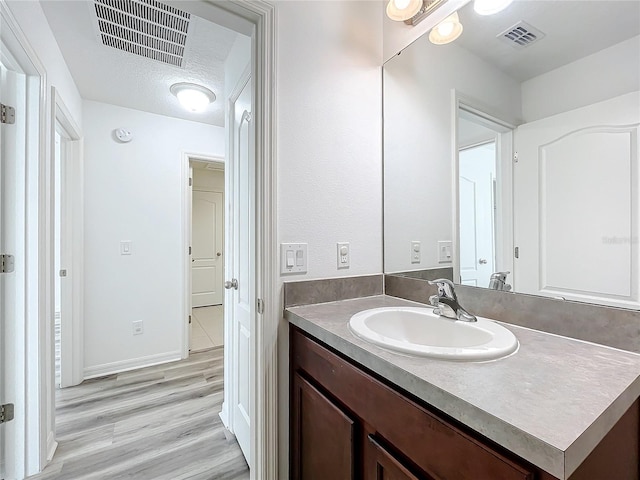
<point>573,29</point>
<point>116,77</point>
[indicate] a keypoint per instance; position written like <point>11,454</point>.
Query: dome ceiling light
<point>193,97</point>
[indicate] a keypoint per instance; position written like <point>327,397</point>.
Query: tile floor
<point>206,328</point>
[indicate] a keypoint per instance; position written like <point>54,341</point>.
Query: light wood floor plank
<point>157,423</point>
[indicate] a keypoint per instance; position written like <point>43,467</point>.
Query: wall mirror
<point>515,149</point>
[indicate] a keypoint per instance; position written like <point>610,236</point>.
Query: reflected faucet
<point>498,281</point>
<point>446,302</point>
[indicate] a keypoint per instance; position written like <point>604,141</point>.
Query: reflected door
<point>576,212</point>
<point>477,167</point>
<point>207,242</point>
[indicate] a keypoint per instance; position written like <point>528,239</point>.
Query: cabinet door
<point>323,436</point>
<point>383,465</point>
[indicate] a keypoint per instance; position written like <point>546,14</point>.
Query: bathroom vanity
<point>557,408</point>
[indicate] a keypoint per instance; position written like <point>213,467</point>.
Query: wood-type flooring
<point>156,423</point>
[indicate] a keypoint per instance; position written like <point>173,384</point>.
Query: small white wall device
<point>123,135</point>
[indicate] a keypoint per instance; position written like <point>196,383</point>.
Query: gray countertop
<point>551,402</point>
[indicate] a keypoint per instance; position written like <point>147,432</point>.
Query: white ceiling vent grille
<point>521,35</point>
<point>143,27</point>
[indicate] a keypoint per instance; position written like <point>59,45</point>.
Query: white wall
<point>208,180</point>
<point>601,76</point>
<point>329,145</point>
<point>418,136</point>
<point>32,21</point>
<point>133,192</point>
<point>330,133</point>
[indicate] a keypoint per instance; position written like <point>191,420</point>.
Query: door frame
<point>504,171</point>
<point>32,341</point>
<point>187,189</point>
<point>260,16</point>
<point>257,19</point>
<point>72,244</point>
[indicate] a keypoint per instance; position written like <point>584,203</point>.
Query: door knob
<point>231,284</point>
<point>482,261</point>
<point>218,254</point>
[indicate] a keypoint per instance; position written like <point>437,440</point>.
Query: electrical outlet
<point>416,256</point>
<point>344,255</point>
<point>138,327</point>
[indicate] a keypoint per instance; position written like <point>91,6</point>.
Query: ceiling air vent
<point>521,35</point>
<point>143,27</point>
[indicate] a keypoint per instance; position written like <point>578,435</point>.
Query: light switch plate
<point>344,255</point>
<point>445,253</point>
<point>293,258</point>
<point>138,327</point>
<point>416,254</point>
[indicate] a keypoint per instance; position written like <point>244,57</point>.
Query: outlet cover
<point>138,327</point>
<point>416,255</point>
<point>344,255</point>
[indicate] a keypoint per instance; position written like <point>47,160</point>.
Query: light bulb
<point>193,100</point>
<point>401,10</point>
<point>446,31</point>
<point>445,28</point>
<point>401,4</point>
<point>192,97</point>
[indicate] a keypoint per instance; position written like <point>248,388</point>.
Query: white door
<point>207,230</point>
<point>12,160</point>
<point>576,217</point>
<point>477,169</point>
<point>241,268</point>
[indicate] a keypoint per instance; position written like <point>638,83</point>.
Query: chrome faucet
<point>446,302</point>
<point>498,281</point>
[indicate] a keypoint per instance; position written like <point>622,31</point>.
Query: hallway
<point>157,423</point>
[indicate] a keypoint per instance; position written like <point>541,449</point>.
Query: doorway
<point>207,252</point>
<point>477,203</point>
<point>482,195</point>
<point>257,21</point>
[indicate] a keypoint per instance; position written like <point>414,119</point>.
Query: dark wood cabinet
<point>383,465</point>
<point>348,424</point>
<point>324,433</point>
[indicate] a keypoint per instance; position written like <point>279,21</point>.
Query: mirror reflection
<point>511,153</point>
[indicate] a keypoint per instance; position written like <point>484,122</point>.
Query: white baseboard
<point>131,364</point>
<point>224,416</point>
<point>52,445</point>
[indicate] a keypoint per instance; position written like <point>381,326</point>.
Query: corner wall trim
<point>132,364</point>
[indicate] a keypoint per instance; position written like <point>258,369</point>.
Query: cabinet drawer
<point>435,446</point>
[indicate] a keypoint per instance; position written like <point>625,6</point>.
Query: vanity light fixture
<point>446,31</point>
<point>401,10</point>
<point>489,7</point>
<point>192,97</point>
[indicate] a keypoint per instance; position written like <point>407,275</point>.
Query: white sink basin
<point>418,331</point>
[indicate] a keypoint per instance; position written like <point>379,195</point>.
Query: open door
<point>12,265</point>
<point>477,213</point>
<point>240,270</point>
